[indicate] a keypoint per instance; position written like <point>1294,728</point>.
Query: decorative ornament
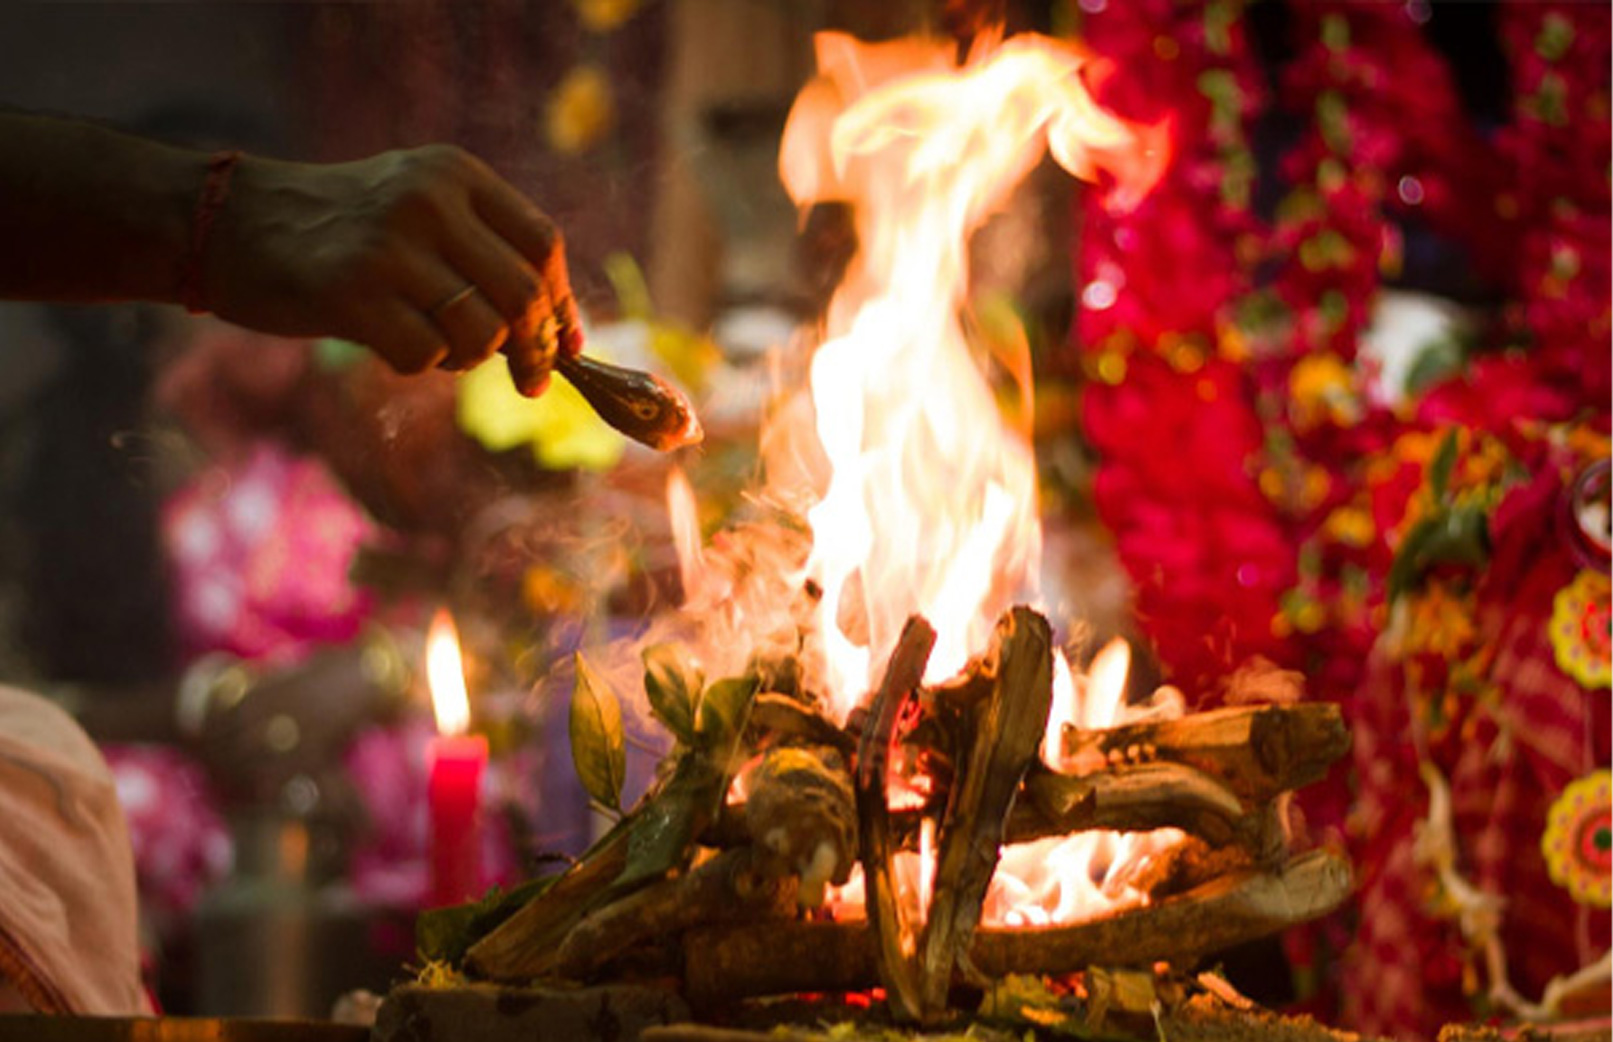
<point>1581,629</point>
<point>1578,843</point>
<point>582,111</point>
<point>1588,519</point>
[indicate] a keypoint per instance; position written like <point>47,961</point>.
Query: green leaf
<point>1556,36</point>
<point>445,934</point>
<point>1459,536</point>
<point>1335,32</point>
<point>672,684</point>
<point>1441,466</point>
<point>662,833</point>
<point>722,714</point>
<point>777,673</point>
<point>1332,120</point>
<point>1218,21</point>
<point>1438,360</point>
<point>598,746</point>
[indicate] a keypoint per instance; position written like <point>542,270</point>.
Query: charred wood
<point>1256,751</point>
<point>752,959</point>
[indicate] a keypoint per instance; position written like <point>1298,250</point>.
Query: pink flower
<point>179,842</point>
<point>261,553</point>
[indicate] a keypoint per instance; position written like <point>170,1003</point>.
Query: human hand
<point>424,255</point>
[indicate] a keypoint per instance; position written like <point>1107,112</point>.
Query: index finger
<point>536,238</point>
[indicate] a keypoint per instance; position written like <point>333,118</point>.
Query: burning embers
<point>711,893</point>
<point>891,706</point>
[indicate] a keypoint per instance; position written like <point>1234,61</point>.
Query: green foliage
<point>672,684</point>
<point>1442,465</point>
<point>598,745</point>
<point>443,935</point>
<point>721,716</point>
<point>1555,38</point>
<point>661,835</point>
<point>1455,536</point>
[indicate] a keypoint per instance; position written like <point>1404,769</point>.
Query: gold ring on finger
<point>459,296</point>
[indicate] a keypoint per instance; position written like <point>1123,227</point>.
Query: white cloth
<point>68,914</point>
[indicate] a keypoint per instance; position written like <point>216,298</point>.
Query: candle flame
<point>445,672</point>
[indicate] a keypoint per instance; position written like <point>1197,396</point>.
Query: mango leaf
<point>598,746</point>
<point>1459,536</point>
<point>1441,466</point>
<point>721,716</point>
<point>662,834</point>
<point>672,683</point>
<point>445,934</point>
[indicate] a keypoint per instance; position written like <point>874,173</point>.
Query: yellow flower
<point>1231,344</point>
<point>603,16</point>
<point>1441,623</point>
<point>1351,526</point>
<point>1322,387</point>
<point>562,429</point>
<point>582,110</point>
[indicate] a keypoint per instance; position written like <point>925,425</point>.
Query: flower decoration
<point>1359,504</point>
<point>261,552</point>
<point>1582,630</point>
<point>1578,843</point>
<point>603,16</point>
<point>179,842</point>
<point>582,111</point>
<point>561,429</point>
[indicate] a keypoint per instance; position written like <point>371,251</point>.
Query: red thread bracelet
<point>220,165</point>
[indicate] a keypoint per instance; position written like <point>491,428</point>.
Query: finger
<point>396,330</point>
<point>531,352</point>
<point>500,273</point>
<point>535,237</point>
<point>530,370</point>
<point>471,326</point>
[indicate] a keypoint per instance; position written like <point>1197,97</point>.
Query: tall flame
<point>920,498</point>
<point>445,673</point>
<point>930,501</point>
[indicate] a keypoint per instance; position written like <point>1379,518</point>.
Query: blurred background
<point>1386,228</point>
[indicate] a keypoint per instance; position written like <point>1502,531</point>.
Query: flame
<point>930,502</point>
<point>920,497</point>
<point>445,673</point>
<point>1067,878</point>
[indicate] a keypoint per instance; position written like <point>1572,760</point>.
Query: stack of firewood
<point>717,886</point>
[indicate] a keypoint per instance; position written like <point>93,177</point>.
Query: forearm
<point>89,213</point>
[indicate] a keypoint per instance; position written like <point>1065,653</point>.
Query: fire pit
<point>900,787</point>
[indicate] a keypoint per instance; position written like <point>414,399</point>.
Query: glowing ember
<point>1066,878</point>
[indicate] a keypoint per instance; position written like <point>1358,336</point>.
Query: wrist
<point>210,202</point>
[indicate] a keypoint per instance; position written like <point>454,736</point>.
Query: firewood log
<point>1008,730</point>
<point>727,963</point>
<point>524,945</point>
<point>740,884</point>
<point>894,937</point>
<point>1129,799</point>
<point>1256,751</point>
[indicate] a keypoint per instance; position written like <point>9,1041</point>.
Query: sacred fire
<point>900,780</point>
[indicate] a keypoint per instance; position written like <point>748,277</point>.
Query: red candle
<point>455,760</point>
